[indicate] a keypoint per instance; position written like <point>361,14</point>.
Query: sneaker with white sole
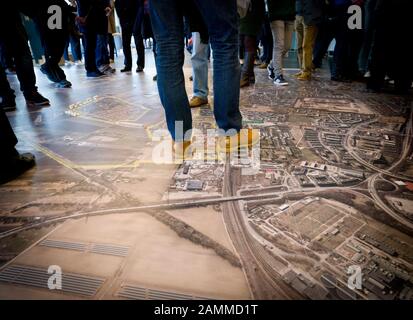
<point>280,81</point>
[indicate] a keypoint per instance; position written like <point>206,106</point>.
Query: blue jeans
<point>365,53</point>
<point>102,52</point>
<point>199,61</point>
<point>221,19</point>
<point>75,48</point>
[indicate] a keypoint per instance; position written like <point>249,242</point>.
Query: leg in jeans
<point>299,29</point>
<point>167,24</point>
<point>266,42</point>
<point>247,70</point>
<point>221,18</point>
<point>355,42</point>
<point>7,138</point>
<point>111,43</point>
<point>199,61</point>
<point>278,34</point>
<point>66,51</point>
<point>365,53</point>
<point>17,42</point>
<point>341,48</point>
<point>6,58</point>
<point>310,33</point>
<point>102,52</point>
<point>74,42</point>
<point>90,47</point>
<point>288,37</point>
<point>5,90</point>
<point>140,49</point>
<point>126,39</point>
<point>75,47</point>
<point>324,37</point>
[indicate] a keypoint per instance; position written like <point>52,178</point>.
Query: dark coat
<point>94,12</point>
<point>281,10</point>
<point>195,20</point>
<point>311,10</point>
<point>130,13</point>
<point>251,24</point>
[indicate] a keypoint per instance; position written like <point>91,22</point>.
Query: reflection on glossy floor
<point>333,190</point>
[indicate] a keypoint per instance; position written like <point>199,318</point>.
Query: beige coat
<point>111,18</point>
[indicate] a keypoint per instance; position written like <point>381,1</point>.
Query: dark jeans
<point>102,52</point>
<point>324,37</point>
<point>250,43</point>
<point>127,32</point>
<point>5,89</point>
<point>53,40</point>
<point>365,52</point>
<point>7,138</point>
<point>6,59</point>
<point>221,19</point>
<point>392,22</point>
<point>75,48</point>
<point>34,39</point>
<point>112,47</point>
<point>340,29</point>
<point>16,43</point>
<point>89,42</point>
<point>266,41</point>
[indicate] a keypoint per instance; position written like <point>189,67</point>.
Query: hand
<point>108,11</point>
<point>81,21</point>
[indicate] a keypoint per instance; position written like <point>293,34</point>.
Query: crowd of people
<point>368,53</point>
<point>375,53</point>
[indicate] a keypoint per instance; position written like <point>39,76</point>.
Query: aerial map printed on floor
<point>332,199</point>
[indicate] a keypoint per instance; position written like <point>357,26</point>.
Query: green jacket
<point>281,10</point>
<point>251,24</point>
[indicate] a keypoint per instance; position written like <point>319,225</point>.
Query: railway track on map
<point>259,265</point>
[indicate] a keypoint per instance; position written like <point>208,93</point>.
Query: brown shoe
<point>305,76</point>
<point>196,102</point>
<point>263,65</point>
<point>182,151</point>
<point>298,74</point>
<point>244,82</point>
<point>244,138</point>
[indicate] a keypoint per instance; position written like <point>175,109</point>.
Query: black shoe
<point>63,84</point>
<point>15,165</point>
<point>94,74</point>
<point>139,69</point>
<point>126,69</point>
<point>35,99</point>
<point>53,72</point>
<point>155,77</point>
<point>340,79</point>
<point>8,103</point>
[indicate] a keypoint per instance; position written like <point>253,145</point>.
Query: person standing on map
<point>222,23</point>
